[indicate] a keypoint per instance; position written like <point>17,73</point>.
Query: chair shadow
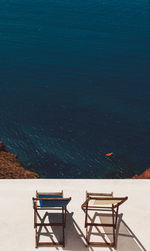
<point>49,233</point>
<point>125,238</point>
<point>99,234</point>
<point>74,237</point>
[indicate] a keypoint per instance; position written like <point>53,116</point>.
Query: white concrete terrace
<point>16,213</point>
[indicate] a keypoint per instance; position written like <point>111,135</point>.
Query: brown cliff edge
<point>10,167</point>
<point>144,175</point>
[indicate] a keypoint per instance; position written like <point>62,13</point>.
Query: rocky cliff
<point>144,175</point>
<point>11,168</point>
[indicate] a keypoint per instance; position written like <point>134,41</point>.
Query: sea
<point>75,86</point>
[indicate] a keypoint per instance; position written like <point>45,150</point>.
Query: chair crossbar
<point>99,224</point>
<point>50,244</point>
<point>49,224</point>
<point>102,244</point>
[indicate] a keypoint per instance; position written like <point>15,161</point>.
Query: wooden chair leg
<point>36,233</point>
<point>36,238</point>
<point>87,236</point>
<point>65,212</point>
<point>34,218</point>
<point>63,221</point>
<point>116,217</point>
<point>114,227</point>
<point>63,236</point>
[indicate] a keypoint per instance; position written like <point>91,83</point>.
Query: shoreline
<point>143,175</point>
<point>11,168</point>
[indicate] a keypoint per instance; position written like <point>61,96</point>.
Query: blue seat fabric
<point>52,203</point>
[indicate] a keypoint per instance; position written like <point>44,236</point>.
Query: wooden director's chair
<point>50,201</point>
<point>102,202</point>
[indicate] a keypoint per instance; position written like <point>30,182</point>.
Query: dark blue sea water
<point>75,85</point>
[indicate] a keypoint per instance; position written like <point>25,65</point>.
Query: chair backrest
<point>102,199</point>
<point>98,194</point>
<point>49,200</point>
<point>49,203</point>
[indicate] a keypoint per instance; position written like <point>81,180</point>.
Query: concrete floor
<point>16,213</point>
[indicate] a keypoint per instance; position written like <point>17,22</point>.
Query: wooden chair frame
<point>114,208</point>
<point>62,224</point>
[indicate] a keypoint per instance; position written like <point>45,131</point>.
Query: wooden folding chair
<point>102,202</point>
<point>50,201</point>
